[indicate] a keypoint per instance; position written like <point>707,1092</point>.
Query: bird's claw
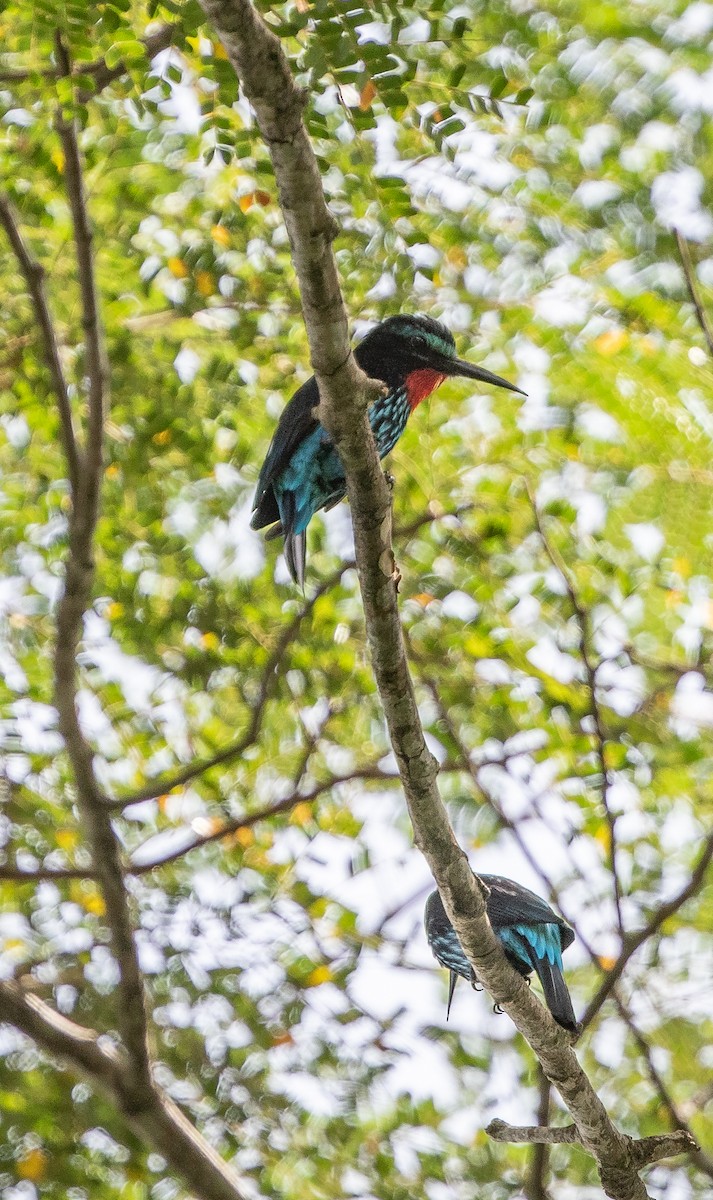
<point>499,1012</point>
<point>475,982</point>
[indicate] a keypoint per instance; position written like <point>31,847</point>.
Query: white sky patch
<point>461,606</point>
<point>647,539</point>
<point>694,24</point>
<point>547,657</point>
<point>595,423</point>
<point>692,704</point>
<point>594,193</point>
<point>566,302</point>
<point>676,196</point>
<point>186,364</point>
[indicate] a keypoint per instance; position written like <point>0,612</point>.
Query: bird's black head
<point>402,344</point>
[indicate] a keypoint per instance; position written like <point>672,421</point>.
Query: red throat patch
<point>420,384</point>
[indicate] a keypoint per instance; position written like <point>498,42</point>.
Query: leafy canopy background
<point>516,169</point>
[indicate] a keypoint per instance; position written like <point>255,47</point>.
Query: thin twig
<point>40,874</point>
<point>228,829</point>
<point>689,272</point>
<point>103,75</point>
<point>583,624</point>
<point>33,274</point>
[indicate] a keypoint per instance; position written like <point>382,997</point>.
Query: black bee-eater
<point>532,936</point>
<point>302,472</point>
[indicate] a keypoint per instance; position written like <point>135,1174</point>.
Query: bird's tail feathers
<point>556,994</point>
<point>452,981</point>
<point>295,543</point>
<point>296,556</point>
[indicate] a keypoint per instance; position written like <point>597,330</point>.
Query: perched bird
<point>532,935</point>
<point>303,473</point>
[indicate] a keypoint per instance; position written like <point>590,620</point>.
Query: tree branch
<point>692,286</point>
<point>644,1150</point>
<point>538,1165</point>
<point>264,72</point>
<point>103,75</point>
<point>34,275</point>
<point>79,580</point>
<point>540,1135</point>
<point>158,1123</point>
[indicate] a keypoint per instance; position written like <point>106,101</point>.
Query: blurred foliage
<point>516,168</point>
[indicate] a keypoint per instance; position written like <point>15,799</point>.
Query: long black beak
<point>451,988</point>
<point>457,366</point>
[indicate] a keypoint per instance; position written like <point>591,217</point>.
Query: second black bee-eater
<point>532,936</point>
<point>303,473</point>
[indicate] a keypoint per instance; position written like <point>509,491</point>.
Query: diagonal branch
<point>703,1161</point>
<point>270,675</point>
<point>159,1124</point>
<point>228,828</point>
<point>34,276</point>
<point>635,940</point>
<point>265,75</point>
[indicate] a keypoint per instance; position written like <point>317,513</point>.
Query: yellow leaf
<point>11,944</point>
<point>66,838</point>
<point>457,257</point>
<point>682,567</point>
<point>210,641</point>
<point>114,610</point>
<point>246,201</point>
<point>220,52</point>
<point>244,837</point>
<point>603,836</point>
<point>162,438</point>
<point>301,814</point>
<point>205,283</point>
<point>606,961</point>
<point>57,157</point>
<point>33,1165</point>
<point>94,903</point>
<point>367,95</point>
<point>220,235</point>
<point>673,598</point>
<point>611,342</point>
<point>423,598</point>
<point>112,471</point>
<point>177,267</point>
<point>319,975</point>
